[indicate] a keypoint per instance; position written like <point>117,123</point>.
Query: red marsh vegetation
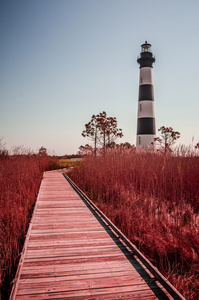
<point>154,200</point>
<point>20,177</point>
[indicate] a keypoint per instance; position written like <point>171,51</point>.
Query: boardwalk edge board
<point>157,275</point>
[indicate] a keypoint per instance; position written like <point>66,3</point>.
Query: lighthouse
<point>146,113</point>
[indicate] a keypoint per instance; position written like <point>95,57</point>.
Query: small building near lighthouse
<point>146,129</point>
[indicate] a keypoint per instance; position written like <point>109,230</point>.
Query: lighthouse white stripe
<point>145,140</point>
<point>146,109</point>
<point>146,75</point>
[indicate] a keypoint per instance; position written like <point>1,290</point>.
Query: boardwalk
<point>70,254</point>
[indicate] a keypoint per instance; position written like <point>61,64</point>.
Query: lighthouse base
<point>145,141</point>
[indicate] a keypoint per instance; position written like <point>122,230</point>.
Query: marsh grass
<point>154,200</point>
<point>20,177</point>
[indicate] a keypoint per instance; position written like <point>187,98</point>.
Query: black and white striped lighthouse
<point>146,113</point>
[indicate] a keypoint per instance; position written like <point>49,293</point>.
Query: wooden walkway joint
<point>72,252</point>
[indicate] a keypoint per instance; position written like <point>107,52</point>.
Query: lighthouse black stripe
<point>146,92</point>
<point>146,59</point>
<point>146,126</point>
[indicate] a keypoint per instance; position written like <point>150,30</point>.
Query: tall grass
<point>154,200</point>
<point>20,177</point>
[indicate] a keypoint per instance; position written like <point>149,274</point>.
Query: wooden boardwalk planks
<point>70,254</point>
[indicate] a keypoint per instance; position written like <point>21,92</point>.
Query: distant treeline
<point>67,156</point>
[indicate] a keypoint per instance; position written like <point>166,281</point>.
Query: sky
<point>61,61</point>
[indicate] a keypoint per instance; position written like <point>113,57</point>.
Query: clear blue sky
<point>63,60</point>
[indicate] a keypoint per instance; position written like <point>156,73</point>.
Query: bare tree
<point>102,130</point>
<point>85,150</point>
<point>108,129</point>
<point>168,137</point>
<point>92,131</point>
<point>42,151</point>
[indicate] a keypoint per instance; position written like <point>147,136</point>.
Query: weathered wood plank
<point>81,274</point>
<point>81,285</point>
<point>81,268</point>
<point>107,293</point>
<point>80,282</point>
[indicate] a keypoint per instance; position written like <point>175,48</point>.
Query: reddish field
<point>20,177</point>
<point>154,200</point>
